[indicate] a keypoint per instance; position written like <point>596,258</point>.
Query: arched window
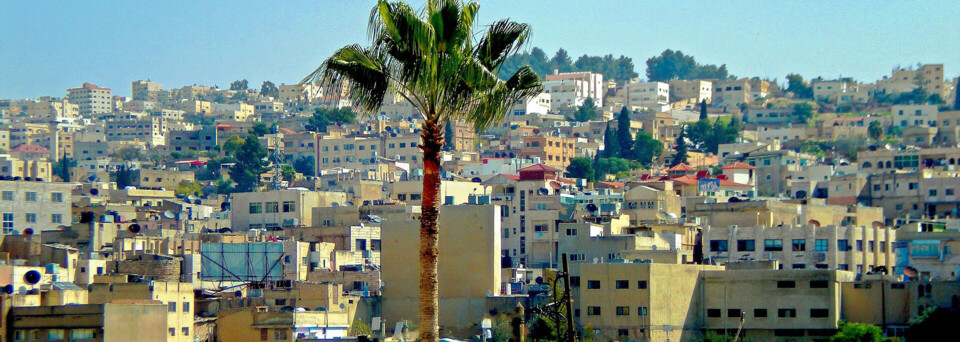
<point>867,165</point>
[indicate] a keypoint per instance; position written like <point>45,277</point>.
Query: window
<point>31,217</point>
<point>56,218</point>
<point>575,281</point>
<point>280,334</point>
<point>186,306</point>
<point>821,245</point>
<point>843,245</point>
<point>623,311</point>
<point>859,245</point>
<point>733,312</point>
<point>786,284</point>
<point>81,334</point>
<point>787,313</point>
<point>799,245</point>
<point>593,311</point>
<point>760,313</point>
<point>641,284</point>
<point>55,335</point>
<point>641,311</point>
<point>264,335</point>
<point>623,333</point>
<point>713,312</point>
<point>289,207</point>
<point>623,284</point>
<point>7,221</point>
<point>933,192</point>
<point>271,207</point>
<point>541,206</point>
<point>718,245</point>
<point>593,284</point>
<point>746,245</point>
<point>186,331</point>
<point>56,197</point>
<point>172,307</point>
<point>256,208</point>
<point>31,196</point>
<point>819,313</point>
<point>799,266</point>
<point>8,195</point>
<point>772,245</point>
<point>818,284</point>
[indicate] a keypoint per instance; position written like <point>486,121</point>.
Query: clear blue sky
<point>49,46</point>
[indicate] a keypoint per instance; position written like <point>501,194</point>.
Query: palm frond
<point>362,71</point>
<point>502,39</point>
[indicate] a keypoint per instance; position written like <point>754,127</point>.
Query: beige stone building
<point>145,90</point>
<point>553,151</point>
<point>176,297</point>
<point>281,208</point>
<point>696,90</point>
<point>91,99</point>
<point>15,168</point>
<point>34,205</point>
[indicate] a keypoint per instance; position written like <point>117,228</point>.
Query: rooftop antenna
<point>276,157</point>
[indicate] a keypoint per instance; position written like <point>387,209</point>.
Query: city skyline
<point>182,43</point>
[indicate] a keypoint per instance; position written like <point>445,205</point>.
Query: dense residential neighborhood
<point>664,201</point>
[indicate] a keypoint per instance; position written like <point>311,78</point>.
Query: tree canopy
<point>624,137</point>
<point>239,85</point>
<point>618,69</point>
<point>269,89</point>
<point>580,167</point>
<point>249,164</point>
<point>646,148</point>
<point>323,117</point>
<point>586,112</point>
<point>799,87</point>
<point>674,65</point>
<point>708,136</point>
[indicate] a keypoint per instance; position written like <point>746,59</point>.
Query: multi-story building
<point>346,152</point>
<point>571,89</point>
<point>695,90</point>
<point>551,150</point>
<point>402,147</point>
<point>843,247</point>
<point>770,116</point>
<point>53,109</point>
<point>773,168</point>
<point>281,208</point>
<point>146,90</point>
<point>928,76</point>
<point>539,104</point>
<point>15,168</point>
<point>929,248</point>
<point>177,297</point>
<point>826,89</point>
<point>648,95</point>
<point>914,115</point>
<point>731,93</point>
<point>149,130</point>
<point>35,205</point>
<point>91,99</point>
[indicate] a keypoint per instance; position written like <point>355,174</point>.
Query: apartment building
<point>149,130</point>
<point>26,169</point>
<point>770,116</point>
<point>34,205</point>
<point>651,202</point>
<point>928,76</point>
<point>91,99</point>
<point>203,139</point>
<point>110,322</point>
<point>649,95</point>
<point>571,89</point>
<point>757,213</point>
<point>348,152</point>
<point>914,115</point>
<point>694,90</point>
<point>53,109</point>
<point>809,246</point>
<point>929,247</point>
<point>773,167</point>
<point>539,104</point>
<point>551,150</point>
<point>280,208</point>
<point>731,93</point>
<point>145,90</point>
<point>178,298</point>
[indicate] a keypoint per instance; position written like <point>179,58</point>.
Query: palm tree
<point>432,59</point>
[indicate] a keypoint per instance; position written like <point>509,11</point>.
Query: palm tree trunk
<point>432,134</point>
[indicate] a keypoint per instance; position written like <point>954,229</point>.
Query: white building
<point>36,205</point>
<point>573,88</point>
<point>650,95</point>
<point>914,115</point>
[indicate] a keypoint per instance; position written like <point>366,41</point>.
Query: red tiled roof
<point>724,182</point>
<point>613,184</point>
<point>681,167</point>
<point>513,177</point>
<point>539,167</point>
<point>738,166</point>
<point>27,148</point>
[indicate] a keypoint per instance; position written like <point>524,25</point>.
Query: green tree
<point>956,99</point>
<point>305,165</point>
<point>62,168</point>
<point>124,177</point>
<point>561,61</point>
<point>239,85</point>
<point>624,138</point>
<point>448,136</point>
<point>249,164</point>
<point>360,328</point>
<point>129,153</point>
<point>586,112</point>
<point>287,172</point>
<point>857,332</point>
<point>803,111</point>
<point>611,147</point>
<point>225,187</point>
<point>188,188</point>
<point>614,166</point>
<point>580,167</point>
<point>674,65</point>
<point>799,87</point>
<point>323,117</point>
<point>703,109</point>
<point>232,144</point>
<point>680,148</point>
<point>875,130</point>
<point>434,60</point>
<point>542,329</point>
<point>932,324</point>
<point>259,129</point>
<point>935,99</point>
<point>646,148</point>
<point>269,89</point>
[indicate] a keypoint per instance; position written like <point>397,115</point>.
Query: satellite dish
<point>197,201</point>
<point>238,294</point>
<point>733,200</point>
<point>8,289</point>
<point>342,306</point>
<point>92,178</point>
<point>28,231</point>
<point>94,191</point>
<point>225,206</point>
<point>286,309</point>
<point>910,272</point>
<point>334,204</point>
<point>32,277</point>
<point>476,180</point>
<point>134,228</point>
<point>169,214</point>
<point>536,131</point>
<point>539,280</point>
<point>592,207</point>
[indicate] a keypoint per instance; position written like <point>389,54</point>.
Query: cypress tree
<point>611,146</point>
<point>623,133</point>
<point>448,144</point>
<point>681,148</point>
<point>703,109</point>
<point>956,99</point>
